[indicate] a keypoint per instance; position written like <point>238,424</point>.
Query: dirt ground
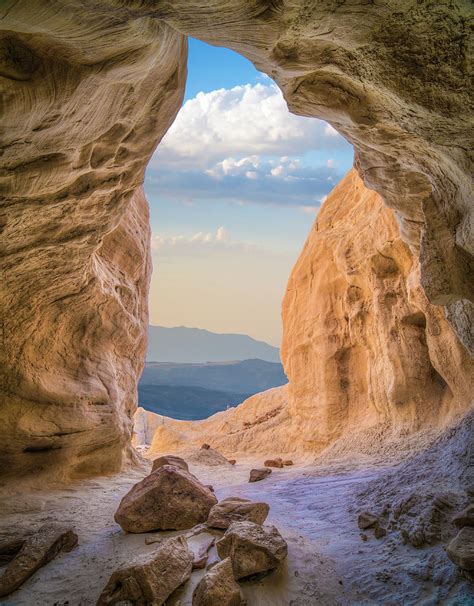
<point>315,507</point>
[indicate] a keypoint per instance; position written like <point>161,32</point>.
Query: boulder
<point>170,498</point>
<point>465,518</point>
<point>170,460</point>
<point>205,447</point>
<point>35,551</point>
<point>367,520</point>
<point>274,463</point>
<point>461,549</point>
<point>252,548</point>
<point>218,587</point>
<point>153,579</point>
<point>235,509</point>
<point>259,474</point>
<point>379,531</point>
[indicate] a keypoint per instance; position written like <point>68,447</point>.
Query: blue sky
<point>234,188</point>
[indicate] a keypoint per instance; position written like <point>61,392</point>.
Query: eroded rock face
<point>153,579</point>
<point>362,346</point>
<point>82,120</point>
<point>170,498</point>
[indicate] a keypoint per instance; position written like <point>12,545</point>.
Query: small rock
<point>274,463</point>
<point>235,509</point>
<point>200,559</point>
<point>37,550</point>
<point>363,537</point>
<point>461,549</point>
<point>465,518</point>
<point>205,447</point>
<point>379,532</point>
<point>259,474</point>
<point>153,579</point>
<point>253,549</point>
<point>218,587</point>
<point>170,460</point>
<point>288,462</point>
<point>232,461</point>
<point>151,540</point>
<point>366,520</point>
<point>170,498</point>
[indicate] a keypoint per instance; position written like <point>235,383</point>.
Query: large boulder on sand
<point>252,548</point>
<point>235,509</point>
<point>153,579</point>
<point>218,587</point>
<point>461,549</point>
<point>169,498</point>
<point>170,460</point>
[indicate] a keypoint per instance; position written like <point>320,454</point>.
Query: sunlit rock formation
<point>362,347</point>
<point>89,90</point>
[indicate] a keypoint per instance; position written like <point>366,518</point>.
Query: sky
<point>233,188</point>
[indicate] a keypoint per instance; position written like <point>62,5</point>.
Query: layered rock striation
<point>89,90</point>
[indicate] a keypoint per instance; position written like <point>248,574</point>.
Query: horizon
<point>233,189</point>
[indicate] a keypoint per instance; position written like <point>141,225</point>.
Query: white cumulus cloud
<point>230,122</point>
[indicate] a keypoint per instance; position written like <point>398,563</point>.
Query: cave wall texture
<point>90,88</point>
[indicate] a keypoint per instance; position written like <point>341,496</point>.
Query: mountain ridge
<point>188,345</point>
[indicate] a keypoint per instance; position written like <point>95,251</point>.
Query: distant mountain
<point>196,391</point>
<point>188,345</point>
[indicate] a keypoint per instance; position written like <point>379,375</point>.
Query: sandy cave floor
<point>314,507</point>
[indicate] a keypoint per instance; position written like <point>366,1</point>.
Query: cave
<point>89,92</point>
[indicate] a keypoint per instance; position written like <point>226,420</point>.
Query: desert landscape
<point>353,484</point>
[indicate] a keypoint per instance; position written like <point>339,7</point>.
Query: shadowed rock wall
<point>89,88</point>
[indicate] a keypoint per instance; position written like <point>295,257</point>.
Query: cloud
<point>230,122</point>
<point>200,244</point>
<point>252,179</point>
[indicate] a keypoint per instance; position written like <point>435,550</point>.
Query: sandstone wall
<point>362,346</point>
<point>87,96</point>
<point>88,90</point>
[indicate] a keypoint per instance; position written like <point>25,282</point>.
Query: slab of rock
<point>252,548</point>
<point>465,518</point>
<point>170,460</point>
<point>367,520</point>
<point>153,579</point>
<point>235,509</point>
<point>37,550</point>
<point>218,587</point>
<point>259,474</point>
<point>461,549</point>
<point>274,463</point>
<point>170,498</point>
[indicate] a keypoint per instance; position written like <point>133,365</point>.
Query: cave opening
<point>233,190</point>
